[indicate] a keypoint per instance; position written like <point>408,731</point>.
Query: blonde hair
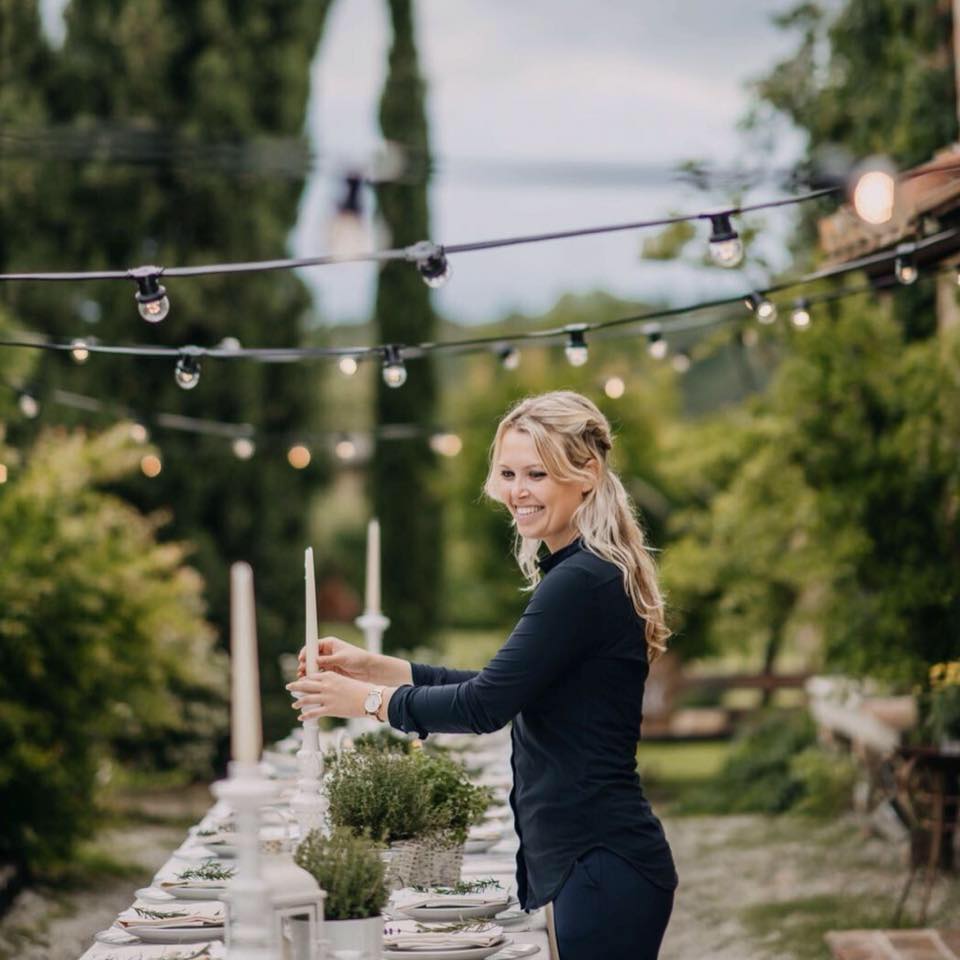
<point>568,431</point>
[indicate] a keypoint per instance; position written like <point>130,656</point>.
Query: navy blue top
<point>570,677</point>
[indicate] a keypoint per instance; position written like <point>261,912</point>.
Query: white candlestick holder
<point>373,623</point>
<point>245,791</point>
<point>309,803</point>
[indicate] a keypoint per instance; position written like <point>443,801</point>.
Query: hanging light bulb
<point>348,366</point>
<point>726,248</point>
<point>657,347</point>
<point>873,190</point>
<point>432,263</point>
<point>509,357</point>
<point>347,235</point>
<point>680,361</point>
<point>79,351</point>
<point>576,349</point>
<point>229,343</point>
<point>29,405</point>
<point>152,302</point>
<point>800,315</point>
<point>394,369</point>
<point>151,465</point>
<point>446,444</point>
<point>905,266</point>
<point>764,309</point>
<point>345,449</point>
<point>243,448</point>
<point>187,373</point>
<point>139,432</point>
<point>298,456</point>
<point>614,387</point>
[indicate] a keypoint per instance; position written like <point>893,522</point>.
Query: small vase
<point>356,939</point>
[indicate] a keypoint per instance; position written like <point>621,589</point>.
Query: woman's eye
<point>536,475</point>
<point>506,474</point>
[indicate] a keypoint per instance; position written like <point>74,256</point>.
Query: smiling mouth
<point>524,513</point>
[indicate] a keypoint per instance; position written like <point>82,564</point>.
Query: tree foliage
<point>104,650</point>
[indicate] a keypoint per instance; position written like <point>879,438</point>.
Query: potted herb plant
<point>349,868</point>
<point>943,706</point>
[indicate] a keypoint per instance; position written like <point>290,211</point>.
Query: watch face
<point>372,703</point>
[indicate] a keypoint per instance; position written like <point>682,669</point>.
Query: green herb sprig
<point>461,887</point>
<point>209,870</point>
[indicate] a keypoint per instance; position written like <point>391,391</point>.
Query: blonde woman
<point>570,677</point>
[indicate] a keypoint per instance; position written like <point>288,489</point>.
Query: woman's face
<point>542,507</point>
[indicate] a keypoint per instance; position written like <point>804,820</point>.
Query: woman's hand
<point>341,657</point>
<point>329,694</point>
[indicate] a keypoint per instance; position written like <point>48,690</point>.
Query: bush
<point>103,645</point>
<point>826,781</point>
<point>455,802</point>
<point>351,871</point>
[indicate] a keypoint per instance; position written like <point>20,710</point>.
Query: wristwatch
<point>373,703</point>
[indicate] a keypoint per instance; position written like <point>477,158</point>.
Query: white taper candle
<point>311,641</point>
<point>245,724</point>
<point>373,567</point>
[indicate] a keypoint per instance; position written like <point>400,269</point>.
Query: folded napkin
<point>407,936</point>
<point>452,899</point>
<point>212,884</point>
<point>206,916</point>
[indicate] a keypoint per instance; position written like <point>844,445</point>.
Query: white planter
<point>353,939</point>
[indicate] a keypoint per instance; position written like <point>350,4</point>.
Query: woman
<point>570,677</point>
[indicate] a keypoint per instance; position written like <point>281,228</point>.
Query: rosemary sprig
<point>157,914</point>
<point>208,870</point>
<point>462,886</point>
<point>455,926</point>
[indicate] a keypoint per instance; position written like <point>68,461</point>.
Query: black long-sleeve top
<point>571,678</point>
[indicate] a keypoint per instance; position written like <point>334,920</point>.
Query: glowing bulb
<point>151,465</point>
<point>29,405</point>
<point>79,351</point>
<point>726,248</point>
<point>764,309</point>
<point>576,349</point>
<point>446,444</point>
<point>229,343</point>
<point>348,366</point>
<point>394,370</point>
<point>151,296</point>
<point>298,456</point>
<point>874,191</point>
<point>345,449</point>
<point>431,262</point>
<point>509,357</point>
<point>139,433</point>
<point>3,473</point>
<point>614,388</point>
<point>800,315</point>
<point>680,361</point>
<point>187,373</point>
<point>657,347</point>
<point>905,266</point>
<point>243,448</point>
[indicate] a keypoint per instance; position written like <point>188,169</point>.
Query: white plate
<point>453,913</point>
<point>176,934</point>
<point>461,953</point>
<point>481,846</point>
<point>196,893</point>
<point>154,895</point>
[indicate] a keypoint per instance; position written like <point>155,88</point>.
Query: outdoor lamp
<point>29,405</point>
<point>726,248</point>
<point>657,347</point>
<point>764,309</point>
<point>151,296</point>
<point>509,357</point>
<point>394,369</point>
<point>800,315</point>
<point>576,349</point>
<point>347,236</point>
<point>187,373</point>
<point>905,266</point>
<point>431,262</point>
<point>873,190</point>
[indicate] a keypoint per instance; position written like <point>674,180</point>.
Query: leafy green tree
<point>104,650</point>
<point>197,111</point>
<point>403,474</point>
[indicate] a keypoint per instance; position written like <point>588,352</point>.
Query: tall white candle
<point>311,642</point>
<point>245,726</point>
<point>373,567</point>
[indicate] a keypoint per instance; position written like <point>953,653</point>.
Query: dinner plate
<point>481,845</point>
<point>175,934</point>
<point>444,953</point>
<point>154,895</point>
<point>454,912</point>
<point>197,893</point>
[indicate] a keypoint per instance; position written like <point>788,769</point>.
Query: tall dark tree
<point>404,471</point>
<point>165,134</point>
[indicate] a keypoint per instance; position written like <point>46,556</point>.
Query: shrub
<point>826,781</point>
<point>455,802</point>
<point>351,871</point>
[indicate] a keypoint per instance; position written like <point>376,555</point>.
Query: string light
<point>345,449</point>
<point>394,369</point>
<point>509,357</point>
<point>152,301</point>
<point>79,351</point>
<point>431,262</point>
<point>446,444</point>
<point>800,315</point>
<point>347,236</point>
<point>243,448</point>
<point>726,248</point>
<point>905,266</point>
<point>576,349</point>
<point>187,372</point>
<point>29,405</point>
<point>150,465</point>
<point>229,343</point>
<point>298,456</point>
<point>763,308</point>
<point>614,388</point>
<point>874,191</point>
<point>139,433</point>
<point>348,366</point>
<point>680,361</point>
<point>657,347</point>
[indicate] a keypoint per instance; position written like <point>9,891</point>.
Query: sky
<point>620,82</point>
